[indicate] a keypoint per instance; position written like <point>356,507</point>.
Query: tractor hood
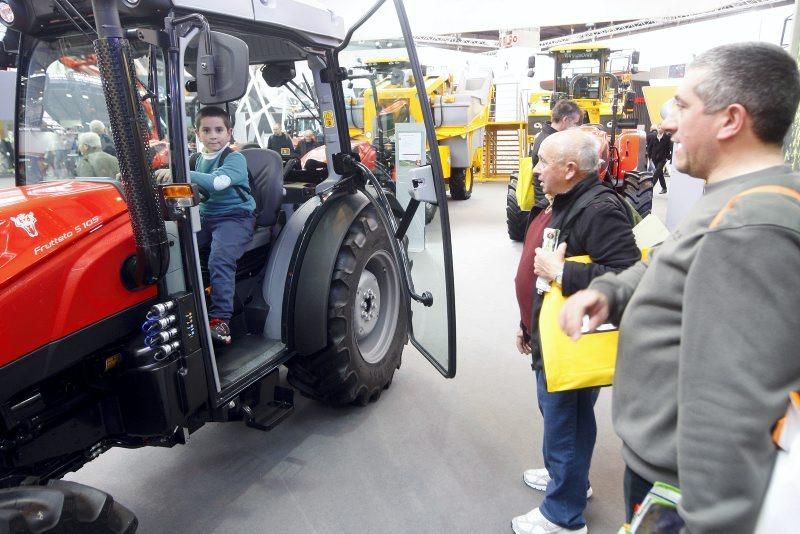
<point>38,221</point>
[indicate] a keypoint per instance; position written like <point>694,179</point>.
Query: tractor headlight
<point>6,13</point>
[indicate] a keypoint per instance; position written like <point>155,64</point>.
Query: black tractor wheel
<point>460,183</point>
<point>516,219</point>
<point>367,323</point>
<point>639,192</point>
<point>63,506</point>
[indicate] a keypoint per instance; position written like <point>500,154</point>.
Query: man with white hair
<point>99,128</point>
<point>95,162</point>
<point>591,220</point>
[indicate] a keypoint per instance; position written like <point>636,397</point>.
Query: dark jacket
<point>546,132</point>
<point>659,149</point>
<point>277,142</point>
<point>304,147</point>
<point>602,230</point>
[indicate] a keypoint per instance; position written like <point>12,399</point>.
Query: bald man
<point>592,220</point>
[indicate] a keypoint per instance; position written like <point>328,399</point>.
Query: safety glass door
<point>388,105</point>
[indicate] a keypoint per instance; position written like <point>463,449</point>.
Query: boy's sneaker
<point>538,479</point>
<point>220,331</point>
<point>535,523</point>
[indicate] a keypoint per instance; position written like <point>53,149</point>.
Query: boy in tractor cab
<point>227,211</point>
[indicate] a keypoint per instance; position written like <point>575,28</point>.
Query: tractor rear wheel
<point>639,192</point>
<point>367,321</point>
<point>63,506</point>
<point>460,183</point>
<point>516,219</point>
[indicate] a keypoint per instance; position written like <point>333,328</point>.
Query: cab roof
<point>579,47</point>
<point>305,22</point>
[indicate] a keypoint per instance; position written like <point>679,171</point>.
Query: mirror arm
<point>195,20</point>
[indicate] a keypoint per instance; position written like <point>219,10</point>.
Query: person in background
<point>100,129</point>
<point>709,326</point>
<point>227,215</point>
<point>592,221</point>
<point>94,162</point>
<point>280,142</point>
<point>307,143</point>
<point>659,151</point>
<point>566,114</point>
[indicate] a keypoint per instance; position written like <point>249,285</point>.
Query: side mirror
<point>531,72</point>
<point>223,73</point>
<point>635,57</point>
<point>531,62</point>
<point>278,74</point>
<point>634,69</point>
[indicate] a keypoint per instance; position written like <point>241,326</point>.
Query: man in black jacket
<point>592,221</point>
<point>280,142</point>
<point>659,150</point>
<point>566,114</point>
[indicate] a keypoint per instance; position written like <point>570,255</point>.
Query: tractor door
<point>391,127</point>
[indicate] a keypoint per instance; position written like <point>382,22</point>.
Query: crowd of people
<point>707,325</point>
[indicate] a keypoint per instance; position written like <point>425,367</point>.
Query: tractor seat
<point>266,170</point>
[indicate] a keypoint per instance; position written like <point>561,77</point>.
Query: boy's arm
<point>233,171</point>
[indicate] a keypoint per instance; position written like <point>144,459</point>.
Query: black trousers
<point>635,489</point>
<point>658,174</point>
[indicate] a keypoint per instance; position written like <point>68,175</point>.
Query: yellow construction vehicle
<point>460,112</point>
<point>582,73</point>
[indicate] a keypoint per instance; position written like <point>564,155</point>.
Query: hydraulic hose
<point>131,139</point>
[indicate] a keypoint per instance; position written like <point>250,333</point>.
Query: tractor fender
<point>309,278</point>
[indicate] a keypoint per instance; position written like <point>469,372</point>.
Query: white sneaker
<point>538,479</point>
<point>535,523</point>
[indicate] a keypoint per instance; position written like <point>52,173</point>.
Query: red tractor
<point>105,341</point>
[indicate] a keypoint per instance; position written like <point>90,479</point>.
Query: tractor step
<point>271,414</point>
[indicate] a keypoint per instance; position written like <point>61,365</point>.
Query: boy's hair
<point>212,111</point>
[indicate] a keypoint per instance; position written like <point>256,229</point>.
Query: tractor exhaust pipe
<point>131,139</point>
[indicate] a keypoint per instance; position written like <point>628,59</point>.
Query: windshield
<point>65,131</point>
<point>570,64</point>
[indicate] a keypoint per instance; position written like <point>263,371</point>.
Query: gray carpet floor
<point>431,456</point>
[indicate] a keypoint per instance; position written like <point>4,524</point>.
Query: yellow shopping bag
<point>526,196</point>
<point>568,365</point>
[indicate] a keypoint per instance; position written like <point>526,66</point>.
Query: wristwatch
<point>559,277</point>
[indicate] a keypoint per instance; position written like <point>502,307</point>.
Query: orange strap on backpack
<point>773,189</point>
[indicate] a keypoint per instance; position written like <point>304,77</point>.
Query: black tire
<point>430,212</point>
<point>63,506</point>
<point>516,219</point>
<point>639,192</point>
<point>363,351</point>
<point>461,181</point>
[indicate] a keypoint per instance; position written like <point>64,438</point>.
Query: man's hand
<point>549,264</point>
<point>163,176</point>
<point>524,347</point>
<point>587,302</point>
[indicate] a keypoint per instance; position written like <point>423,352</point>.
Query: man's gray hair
<point>97,126</point>
<point>90,139</point>
<point>576,145</point>
<point>761,77</point>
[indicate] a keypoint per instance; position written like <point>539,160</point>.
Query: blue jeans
<point>569,435</point>
<point>229,235</point>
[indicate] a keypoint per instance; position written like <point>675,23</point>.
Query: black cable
<point>72,20</point>
<point>91,28</point>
